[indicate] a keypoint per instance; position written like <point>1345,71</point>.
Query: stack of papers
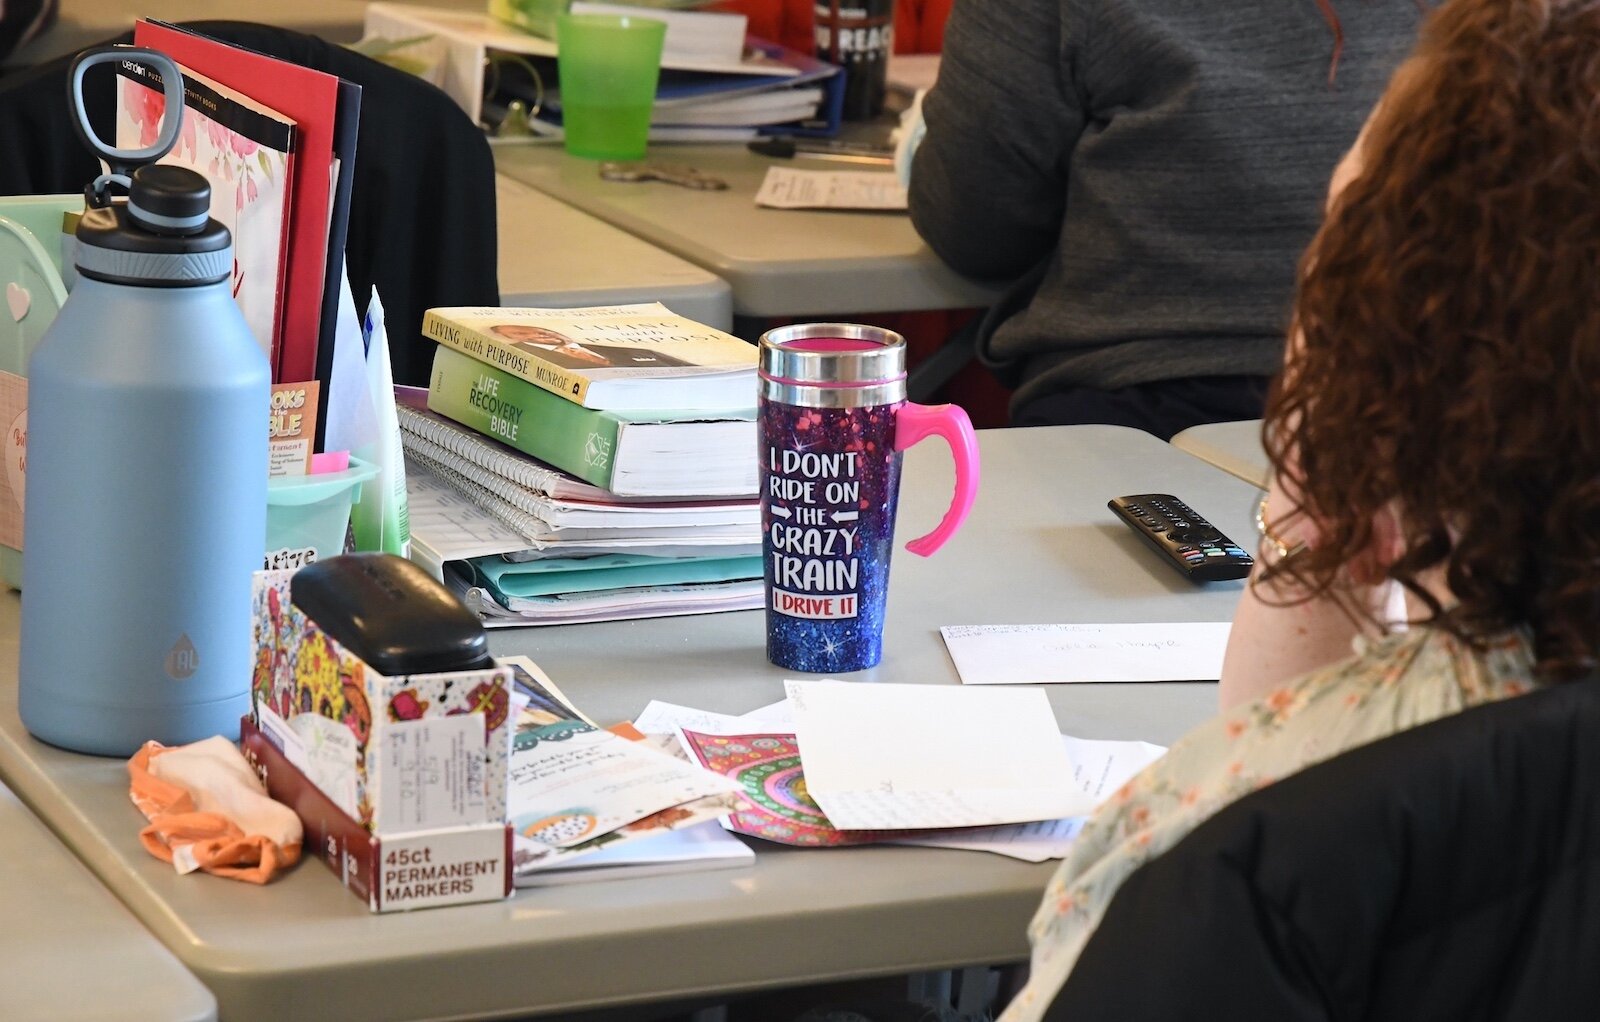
<point>524,543</point>
<point>925,765</point>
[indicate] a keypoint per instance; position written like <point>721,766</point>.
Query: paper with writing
<point>784,188</point>
<point>432,773</point>
<point>897,757</point>
<point>663,718</point>
<point>1056,654</point>
<point>455,527</point>
<point>1099,768</point>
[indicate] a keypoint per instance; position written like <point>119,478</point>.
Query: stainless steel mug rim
<point>882,364</point>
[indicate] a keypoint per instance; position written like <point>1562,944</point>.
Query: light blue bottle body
<point>145,514</point>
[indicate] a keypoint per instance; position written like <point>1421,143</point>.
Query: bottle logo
<point>182,659</point>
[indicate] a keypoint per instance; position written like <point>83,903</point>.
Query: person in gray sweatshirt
<point>1146,173</point>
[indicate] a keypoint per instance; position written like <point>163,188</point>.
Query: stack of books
<point>586,464</point>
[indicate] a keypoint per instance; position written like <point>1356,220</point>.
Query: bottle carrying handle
<point>916,422</point>
<point>124,161</point>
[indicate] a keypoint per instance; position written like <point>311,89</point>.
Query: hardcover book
<point>616,357</point>
<point>658,453</point>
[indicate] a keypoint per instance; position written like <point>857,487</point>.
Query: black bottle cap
<point>169,200</point>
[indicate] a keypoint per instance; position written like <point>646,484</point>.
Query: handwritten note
<point>898,757</point>
<point>1099,768</point>
<point>1058,654</point>
<point>663,718</point>
<point>432,773</point>
<point>784,188</point>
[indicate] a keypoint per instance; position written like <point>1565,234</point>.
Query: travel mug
<point>834,420</point>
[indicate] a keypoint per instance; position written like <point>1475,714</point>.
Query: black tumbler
<point>858,36</point>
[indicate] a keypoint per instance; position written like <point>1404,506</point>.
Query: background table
<point>779,262</point>
<point>71,950</point>
<point>1040,547</point>
<point>554,256</point>
<point>1234,447</point>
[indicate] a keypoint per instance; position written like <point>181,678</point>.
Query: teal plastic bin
<point>307,516</point>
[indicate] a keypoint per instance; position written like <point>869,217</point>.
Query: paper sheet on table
<point>1099,768</point>
<point>1055,654</point>
<point>784,188</point>
<point>899,757</point>
<point>663,718</point>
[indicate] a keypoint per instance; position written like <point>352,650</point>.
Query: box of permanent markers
<point>400,752</point>
<point>390,872</point>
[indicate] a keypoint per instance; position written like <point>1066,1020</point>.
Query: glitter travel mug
<point>834,420</point>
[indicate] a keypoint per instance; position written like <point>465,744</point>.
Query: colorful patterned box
<point>399,754</point>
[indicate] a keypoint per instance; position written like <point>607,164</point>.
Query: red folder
<point>311,98</point>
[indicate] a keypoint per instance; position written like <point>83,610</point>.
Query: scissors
<point>671,173</point>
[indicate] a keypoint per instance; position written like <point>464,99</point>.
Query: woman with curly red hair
<point>1435,437</point>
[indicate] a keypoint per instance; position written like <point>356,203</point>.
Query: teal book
<point>641,454</point>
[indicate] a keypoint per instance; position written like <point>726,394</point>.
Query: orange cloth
<point>209,811</point>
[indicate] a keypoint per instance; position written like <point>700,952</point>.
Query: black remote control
<point>1185,540</point>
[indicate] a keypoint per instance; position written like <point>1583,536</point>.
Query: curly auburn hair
<point>1448,354</point>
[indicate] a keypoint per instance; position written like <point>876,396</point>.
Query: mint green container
<point>32,280</point>
<point>307,516</point>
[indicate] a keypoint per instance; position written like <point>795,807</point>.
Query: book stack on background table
<point>717,83</point>
<point>585,464</point>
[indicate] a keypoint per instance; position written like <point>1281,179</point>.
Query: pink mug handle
<point>915,422</point>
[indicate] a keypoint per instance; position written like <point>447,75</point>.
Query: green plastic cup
<point>608,66</point>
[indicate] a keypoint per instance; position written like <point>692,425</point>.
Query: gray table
<point>71,950</point>
<point>553,256</point>
<point>1234,447</point>
<point>780,262</point>
<point>1040,547</point>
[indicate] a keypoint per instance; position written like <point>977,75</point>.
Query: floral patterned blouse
<point>1394,683</point>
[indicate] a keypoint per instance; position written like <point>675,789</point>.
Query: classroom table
<point>71,950</point>
<point>779,262</point>
<point>1234,447</point>
<point>553,256</point>
<point>1040,547</point>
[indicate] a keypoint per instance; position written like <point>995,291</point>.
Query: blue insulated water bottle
<point>145,503</point>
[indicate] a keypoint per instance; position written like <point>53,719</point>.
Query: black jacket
<point>1450,872</point>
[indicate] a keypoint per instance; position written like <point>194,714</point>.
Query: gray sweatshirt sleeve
<point>988,183</point>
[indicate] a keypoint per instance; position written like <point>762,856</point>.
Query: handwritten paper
<point>1099,768</point>
<point>899,757</point>
<point>1060,654</point>
<point>664,718</point>
<point>432,773</point>
<point>784,188</point>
